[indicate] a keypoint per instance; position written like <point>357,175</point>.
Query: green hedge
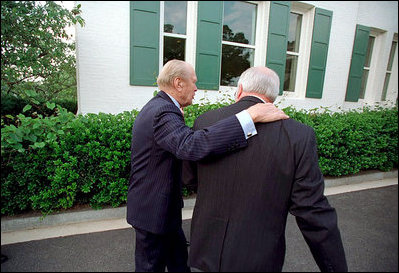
<point>53,163</point>
<point>12,105</point>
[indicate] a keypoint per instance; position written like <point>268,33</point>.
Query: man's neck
<point>259,96</point>
<point>172,97</point>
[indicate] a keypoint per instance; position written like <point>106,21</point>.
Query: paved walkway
<point>367,214</point>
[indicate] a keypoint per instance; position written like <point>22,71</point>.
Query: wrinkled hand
<point>266,112</point>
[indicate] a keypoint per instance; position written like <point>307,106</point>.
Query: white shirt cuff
<point>247,124</point>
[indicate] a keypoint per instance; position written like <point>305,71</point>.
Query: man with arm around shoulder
<point>160,141</point>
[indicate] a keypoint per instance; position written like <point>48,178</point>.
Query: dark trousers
<point>154,252</point>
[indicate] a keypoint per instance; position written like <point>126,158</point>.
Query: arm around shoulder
<point>173,135</point>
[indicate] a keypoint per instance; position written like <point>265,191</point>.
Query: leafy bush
<point>354,141</point>
<point>54,163</point>
<point>51,169</point>
<point>13,105</point>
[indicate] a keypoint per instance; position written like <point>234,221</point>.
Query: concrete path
<point>367,213</point>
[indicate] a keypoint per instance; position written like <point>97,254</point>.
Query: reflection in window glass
<point>366,67</point>
<point>239,22</point>
<point>369,51</point>
<point>174,48</point>
<point>291,65</point>
<point>290,73</point>
<point>391,54</point>
<point>389,70</point>
<point>364,83</point>
<point>386,82</point>
<point>175,17</point>
<point>235,60</point>
<point>294,32</point>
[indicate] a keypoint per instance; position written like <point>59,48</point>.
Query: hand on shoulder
<point>266,112</point>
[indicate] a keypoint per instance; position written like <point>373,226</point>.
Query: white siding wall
<point>103,58</point>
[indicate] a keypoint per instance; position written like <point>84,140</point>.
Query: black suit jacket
<point>244,197</point>
<point>160,140</point>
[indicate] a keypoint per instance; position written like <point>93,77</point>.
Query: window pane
<point>175,17</point>
<point>235,60</point>
<point>294,32</point>
<point>290,73</point>
<point>173,48</point>
<point>391,55</point>
<point>384,91</point>
<point>239,22</point>
<point>364,83</point>
<point>369,51</point>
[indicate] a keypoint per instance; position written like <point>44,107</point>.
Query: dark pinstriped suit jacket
<point>244,197</point>
<point>160,140</point>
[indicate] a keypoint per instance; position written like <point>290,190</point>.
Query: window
<point>291,65</point>
<point>174,30</point>
<point>366,68</point>
<point>389,70</point>
<point>238,41</point>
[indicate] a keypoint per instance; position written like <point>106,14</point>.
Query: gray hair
<point>171,70</point>
<point>261,80</point>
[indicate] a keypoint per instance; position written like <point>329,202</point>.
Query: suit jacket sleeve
<point>316,219</point>
<point>189,168</point>
<point>174,136</point>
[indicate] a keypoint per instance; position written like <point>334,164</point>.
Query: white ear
<point>176,83</point>
<point>238,92</point>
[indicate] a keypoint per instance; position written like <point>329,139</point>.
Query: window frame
<point>305,44</point>
<point>362,95</point>
<point>189,32</point>
<point>376,76</point>
<point>389,72</point>
<point>255,46</point>
<point>293,53</point>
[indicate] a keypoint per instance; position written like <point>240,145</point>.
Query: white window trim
<point>293,53</point>
<point>161,23</point>
<point>305,44</point>
<point>372,80</point>
<point>190,36</point>
<point>260,40</point>
<point>390,71</point>
<point>191,42</point>
<point>238,44</point>
<point>392,93</point>
<point>262,29</point>
<point>175,35</point>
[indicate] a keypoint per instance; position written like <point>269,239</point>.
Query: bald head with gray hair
<point>261,80</point>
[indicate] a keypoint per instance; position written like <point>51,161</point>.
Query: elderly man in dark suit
<point>160,140</point>
<point>244,197</point>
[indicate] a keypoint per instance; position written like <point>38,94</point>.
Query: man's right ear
<point>238,92</point>
<point>177,84</point>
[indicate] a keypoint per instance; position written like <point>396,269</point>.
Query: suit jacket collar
<point>251,99</point>
<point>165,96</point>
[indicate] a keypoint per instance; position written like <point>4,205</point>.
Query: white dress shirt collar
<point>174,100</point>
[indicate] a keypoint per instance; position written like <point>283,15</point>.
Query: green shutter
<point>357,63</point>
<point>144,42</point>
<point>279,21</point>
<point>209,44</point>
<point>318,55</point>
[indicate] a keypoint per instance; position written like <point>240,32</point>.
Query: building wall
<point>103,57</point>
